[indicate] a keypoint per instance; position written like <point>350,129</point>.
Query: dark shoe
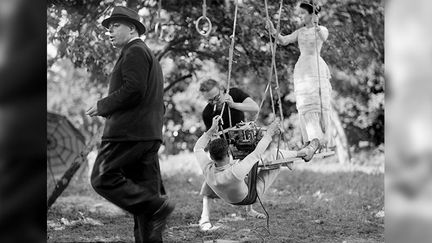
<point>159,218</point>
<point>310,150</point>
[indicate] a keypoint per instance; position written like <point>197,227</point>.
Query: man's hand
<point>92,111</point>
<point>214,127</point>
<point>274,127</point>
<point>229,100</point>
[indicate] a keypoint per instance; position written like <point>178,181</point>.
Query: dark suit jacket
<point>134,106</point>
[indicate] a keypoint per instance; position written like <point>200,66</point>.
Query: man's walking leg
<point>127,175</point>
<point>142,229</point>
<point>117,170</point>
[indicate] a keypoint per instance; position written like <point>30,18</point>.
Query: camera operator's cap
<point>126,14</point>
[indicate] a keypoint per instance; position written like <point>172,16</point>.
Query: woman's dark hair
<point>310,6</point>
<point>218,149</point>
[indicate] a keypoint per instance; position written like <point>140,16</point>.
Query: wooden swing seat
<point>275,164</point>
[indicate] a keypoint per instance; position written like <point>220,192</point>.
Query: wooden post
<point>67,176</point>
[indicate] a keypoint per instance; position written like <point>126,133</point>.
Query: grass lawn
<point>317,202</point>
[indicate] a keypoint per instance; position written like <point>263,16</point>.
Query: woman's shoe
<point>310,149</point>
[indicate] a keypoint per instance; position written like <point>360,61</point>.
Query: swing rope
<point>276,79</point>
<point>318,69</point>
<point>274,59</point>
<point>266,213</point>
<point>204,7</point>
<point>230,61</point>
<point>158,27</point>
<point>205,18</point>
<point>273,68</point>
<point>273,63</point>
<point>268,88</point>
<point>262,101</point>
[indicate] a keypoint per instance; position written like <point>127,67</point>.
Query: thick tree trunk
<point>64,181</point>
<point>176,81</point>
<point>342,147</point>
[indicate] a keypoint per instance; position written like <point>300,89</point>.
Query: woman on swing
<point>227,177</point>
<point>310,74</point>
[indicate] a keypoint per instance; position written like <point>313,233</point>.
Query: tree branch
<point>169,46</point>
<point>176,81</point>
<point>202,53</point>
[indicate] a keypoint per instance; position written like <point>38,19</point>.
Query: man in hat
<point>126,170</point>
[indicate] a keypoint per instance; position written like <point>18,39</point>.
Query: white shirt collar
<point>134,38</point>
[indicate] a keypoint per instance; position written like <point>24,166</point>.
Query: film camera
<point>243,138</point>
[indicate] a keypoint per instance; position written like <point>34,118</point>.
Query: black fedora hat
<point>310,7</point>
<point>126,14</point>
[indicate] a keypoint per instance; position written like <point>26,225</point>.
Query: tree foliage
<point>354,52</point>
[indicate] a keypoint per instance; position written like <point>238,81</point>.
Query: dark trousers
<point>128,175</point>
<point>251,181</point>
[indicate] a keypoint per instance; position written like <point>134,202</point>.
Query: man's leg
<point>208,194</point>
<point>108,176</point>
<point>137,231</point>
<point>254,214</point>
<point>205,215</point>
<point>162,187</point>
<point>150,225</point>
<point>266,178</point>
<point>127,174</point>
<point>142,229</point>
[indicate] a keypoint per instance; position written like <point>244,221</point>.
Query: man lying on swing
<point>227,177</point>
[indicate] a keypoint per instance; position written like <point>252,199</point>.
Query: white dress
<point>313,124</point>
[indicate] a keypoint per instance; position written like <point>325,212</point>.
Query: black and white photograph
<point>237,121</point>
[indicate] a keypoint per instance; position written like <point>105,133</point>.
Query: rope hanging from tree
<point>206,19</point>
<point>274,69</point>
<point>252,181</point>
<point>230,61</point>
<point>273,50</point>
<point>268,87</point>
<point>158,25</point>
<point>318,66</point>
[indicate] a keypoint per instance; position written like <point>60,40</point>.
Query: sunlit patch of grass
<point>304,206</point>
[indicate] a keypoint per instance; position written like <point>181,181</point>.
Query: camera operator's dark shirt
<point>237,116</point>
